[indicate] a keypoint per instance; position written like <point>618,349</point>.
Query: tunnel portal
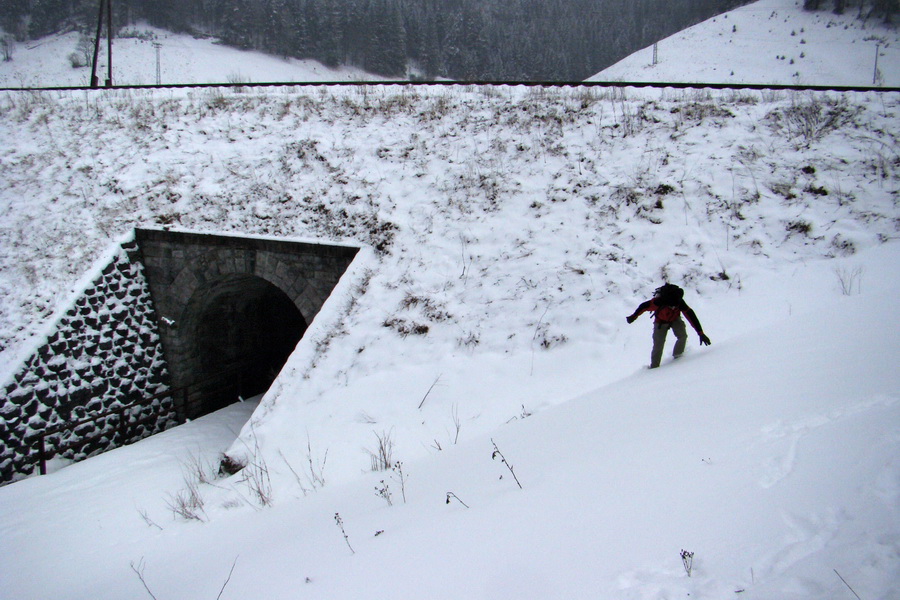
<point>232,309</point>
<point>245,329</point>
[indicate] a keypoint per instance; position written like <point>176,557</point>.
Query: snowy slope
<point>773,457</point>
<point>772,42</point>
<point>182,59</point>
<point>519,221</point>
<point>522,226</point>
<point>526,225</point>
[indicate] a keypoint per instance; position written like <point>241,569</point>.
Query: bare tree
<point>7,44</point>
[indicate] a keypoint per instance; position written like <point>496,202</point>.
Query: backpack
<point>668,299</point>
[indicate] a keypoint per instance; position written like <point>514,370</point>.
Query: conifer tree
<point>460,39</point>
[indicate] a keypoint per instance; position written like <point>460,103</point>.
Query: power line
<point>546,84</point>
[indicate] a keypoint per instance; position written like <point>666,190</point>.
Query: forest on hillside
<point>476,40</point>
<point>879,9</point>
<point>471,40</point>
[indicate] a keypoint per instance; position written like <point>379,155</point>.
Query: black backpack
<point>669,294</point>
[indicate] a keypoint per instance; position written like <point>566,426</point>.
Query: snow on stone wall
<point>103,355</point>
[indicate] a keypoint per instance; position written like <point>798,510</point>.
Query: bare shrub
<point>813,118</point>
<point>405,327</point>
<point>199,470</point>
<point>429,391</point>
<point>188,503</point>
<point>238,80</point>
<point>382,456</point>
<point>76,61</point>
<point>83,53</point>
<point>785,189</point>
<point>256,477</point>
<point>7,46</point>
<point>146,517</point>
<point>469,340</point>
<point>397,468</point>
<point>384,490</point>
<point>314,474</point>
<point>841,246</point>
<point>848,279</point>
<point>139,571</point>
<point>431,309</point>
<point>340,524</point>
<point>140,567</point>
<point>697,112</point>
<point>799,226</point>
<point>687,560</point>
<point>455,497</point>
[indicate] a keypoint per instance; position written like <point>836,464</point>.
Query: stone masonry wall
<point>103,355</point>
<point>183,270</point>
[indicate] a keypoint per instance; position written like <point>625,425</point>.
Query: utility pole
<point>107,4</point>
<point>97,46</point>
<point>655,54</point>
<point>157,45</point>
<point>108,42</point>
<point>875,72</point>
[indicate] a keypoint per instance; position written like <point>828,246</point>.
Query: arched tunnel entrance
<point>231,309</point>
<point>245,330</point>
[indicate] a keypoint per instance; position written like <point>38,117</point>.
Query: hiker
<point>668,304</point>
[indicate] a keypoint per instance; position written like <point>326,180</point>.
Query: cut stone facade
<point>104,354</point>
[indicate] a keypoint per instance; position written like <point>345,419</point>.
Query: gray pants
<point>660,330</point>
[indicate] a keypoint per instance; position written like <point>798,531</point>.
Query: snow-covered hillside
<point>773,458</point>
<point>182,59</point>
<point>771,42</point>
<point>520,227</point>
<point>507,233</point>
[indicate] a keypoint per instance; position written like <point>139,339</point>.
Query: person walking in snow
<point>668,304</point>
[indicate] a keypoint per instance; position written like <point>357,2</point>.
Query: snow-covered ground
<point>182,59</point>
<point>773,457</point>
<point>771,42</point>
<point>521,226</point>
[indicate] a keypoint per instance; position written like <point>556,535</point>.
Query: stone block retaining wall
<point>103,355</point>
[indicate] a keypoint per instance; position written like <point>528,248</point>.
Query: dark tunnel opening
<point>245,330</point>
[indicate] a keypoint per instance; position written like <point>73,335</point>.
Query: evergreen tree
<point>386,47</point>
<point>235,27</point>
<point>459,39</point>
<point>327,31</point>
<point>887,9</point>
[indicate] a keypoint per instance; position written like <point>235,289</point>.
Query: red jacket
<point>669,313</point>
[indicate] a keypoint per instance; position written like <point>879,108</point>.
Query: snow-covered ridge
<point>771,42</point>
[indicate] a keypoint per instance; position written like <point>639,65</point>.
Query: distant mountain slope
<point>182,59</point>
<point>770,41</point>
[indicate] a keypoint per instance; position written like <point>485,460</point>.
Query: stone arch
<point>206,287</point>
<point>240,329</point>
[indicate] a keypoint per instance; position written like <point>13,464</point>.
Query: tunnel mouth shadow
<point>245,328</point>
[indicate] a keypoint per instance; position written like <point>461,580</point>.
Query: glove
<point>704,341</point>
<point>630,318</point>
